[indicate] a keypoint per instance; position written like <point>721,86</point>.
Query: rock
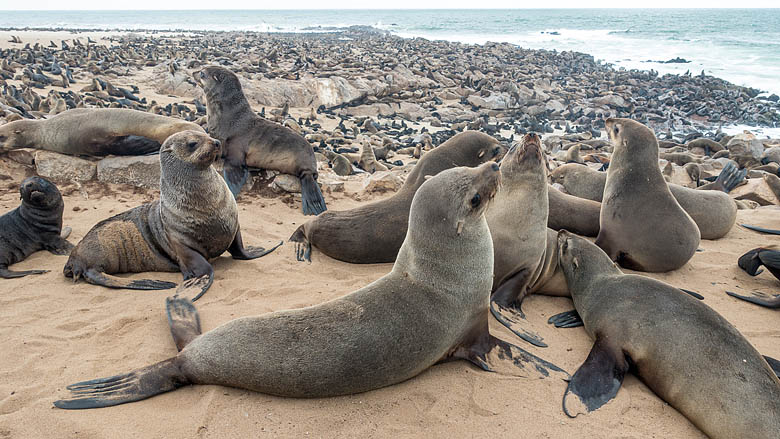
<point>382,181</point>
<point>746,144</point>
<point>140,171</point>
<point>410,111</point>
<point>63,168</point>
<point>286,183</point>
<point>496,101</point>
<point>755,189</point>
<point>373,110</point>
<point>610,100</point>
<point>24,156</point>
<point>555,106</point>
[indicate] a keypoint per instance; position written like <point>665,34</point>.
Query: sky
<point>366,4</point>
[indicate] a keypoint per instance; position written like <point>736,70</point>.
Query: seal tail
<point>730,177</point>
<point>302,244</point>
<point>119,389</point>
<point>96,277</point>
<point>313,201</point>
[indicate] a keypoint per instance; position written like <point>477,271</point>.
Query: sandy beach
<point>57,332</point>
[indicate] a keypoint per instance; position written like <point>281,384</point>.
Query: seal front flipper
<point>194,266</point>
<point>183,318</point>
<point>119,389</point>
<point>236,175</point>
<point>96,277</point>
<point>5,273</point>
<point>495,355</point>
<point>774,364</point>
<point>567,319</point>
<point>312,201</point>
<point>505,305</point>
<point>597,381</point>
<point>759,299</point>
<point>768,257</point>
<point>65,232</point>
<point>302,244</point>
<point>238,251</point>
<point>60,246</point>
<point>761,229</point>
<point>730,177</point>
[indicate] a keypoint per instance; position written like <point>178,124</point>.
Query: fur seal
<point>575,214</point>
<point>94,132</point>
<point>373,233</point>
<point>196,219</point>
<point>253,141</point>
<point>685,352</point>
<point>750,262</point>
<point>35,225</point>
<point>432,307</point>
<point>642,226</point>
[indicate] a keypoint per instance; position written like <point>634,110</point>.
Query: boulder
<point>286,183</point>
<point>140,171</point>
<point>63,168</point>
<point>382,181</point>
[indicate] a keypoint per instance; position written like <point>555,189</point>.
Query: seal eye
<point>476,200</point>
<point>616,129</point>
<point>192,145</point>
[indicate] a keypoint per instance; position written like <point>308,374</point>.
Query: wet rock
<point>141,171</point>
<point>64,168</point>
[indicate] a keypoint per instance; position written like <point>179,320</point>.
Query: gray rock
<point>610,100</point>
<point>63,168</point>
<point>24,156</point>
<point>140,171</point>
<point>496,101</point>
<point>286,183</point>
<point>382,181</point>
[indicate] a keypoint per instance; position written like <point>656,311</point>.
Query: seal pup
<point>35,225</point>
<point>432,307</point>
<point>253,141</point>
<point>373,233</point>
<point>685,352</point>
<point>642,226</point>
<point>750,262</point>
<point>195,219</point>
<point>94,132</point>
<point>525,259</point>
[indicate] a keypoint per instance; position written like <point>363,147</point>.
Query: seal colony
<point>373,116</point>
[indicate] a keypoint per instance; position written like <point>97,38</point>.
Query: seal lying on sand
<point>373,233</point>
<point>94,132</point>
<point>642,226</point>
<point>680,348</point>
<point>196,219</point>
<point>35,225</point>
<point>251,141</point>
<point>751,262</point>
<point>432,307</point>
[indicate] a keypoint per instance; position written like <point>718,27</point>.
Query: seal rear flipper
<point>567,319</point>
<point>495,355</point>
<point>597,381</point>
<point>96,277</point>
<point>759,299</point>
<point>312,201</point>
<point>693,294</point>
<point>235,176</point>
<point>761,229</point>
<point>132,145</point>
<point>730,177</point>
<point>119,389</point>
<point>5,273</point>
<point>774,364</point>
<point>183,320</point>
<point>302,244</point>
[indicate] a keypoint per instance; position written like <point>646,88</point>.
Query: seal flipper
<point>730,176</point>
<point>302,244</point>
<point>65,232</point>
<point>96,277</point>
<point>761,229</point>
<point>312,201</point>
<point>194,267</point>
<point>759,299</point>
<point>567,319</point>
<point>132,145</point>
<point>774,364</point>
<point>59,247</point>
<point>235,176</point>
<point>238,251</point>
<point>505,305</point>
<point>183,319</point>
<point>119,389</point>
<point>597,381</point>
<point>495,355</point>
<point>5,273</point>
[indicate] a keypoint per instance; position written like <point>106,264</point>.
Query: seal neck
<point>47,220</point>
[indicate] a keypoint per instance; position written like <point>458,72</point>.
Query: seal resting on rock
<point>432,307</point>
<point>35,225</point>
<point>642,226</point>
<point>251,141</point>
<point>685,352</point>
<point>373,233</point>
<point>94,132</point>
<point>196,219</point>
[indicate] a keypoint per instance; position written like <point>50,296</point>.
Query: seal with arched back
<point>196,219</point>
<point>432,307</point>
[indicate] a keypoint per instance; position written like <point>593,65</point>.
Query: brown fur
<point>575,214</point>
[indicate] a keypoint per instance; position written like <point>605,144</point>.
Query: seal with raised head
<point>642,226</point>
<point>251,141</point>
<point>432,307</point>
<point>35,225</point>
<point>94,132</point>
<point>195,219</point>
<point>373,233</point>
<point>685,352</point>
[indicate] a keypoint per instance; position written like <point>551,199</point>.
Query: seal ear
<point>481,153</point>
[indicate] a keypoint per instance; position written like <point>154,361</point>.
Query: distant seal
<point>35,225</point>
<point>642,226</point>
<point>750,262</point>
<point>196,219</point>
<point>525,263</point>
<point>432,307</point>
<point>685,352</point>
<point>373,233</point>
<point>94,132</point>
<point>251,141</point>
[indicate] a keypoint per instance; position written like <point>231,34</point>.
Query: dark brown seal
<point>251,141</point>
<point>373,233</point>
<point>35,225</point>
<point>750,262</point>
<point>685,352</point>
<point>94,132</point>
<point>432,307</point>
<point>196,219</point>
